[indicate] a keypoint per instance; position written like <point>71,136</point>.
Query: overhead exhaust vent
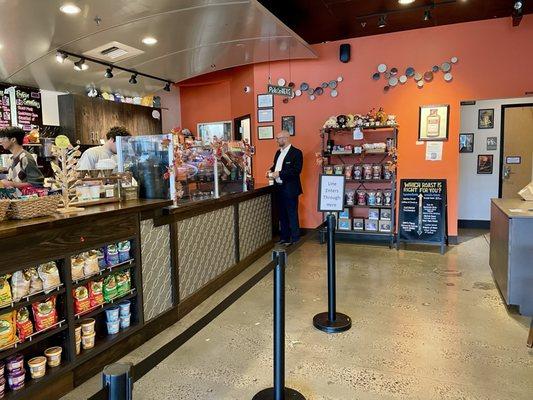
<point>113,52</point>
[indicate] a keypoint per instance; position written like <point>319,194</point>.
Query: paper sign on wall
<point>434,151</point>
<point>331,193</point>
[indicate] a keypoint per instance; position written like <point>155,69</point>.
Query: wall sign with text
<point>331,193</point>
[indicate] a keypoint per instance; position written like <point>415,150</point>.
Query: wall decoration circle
<point>394,71</point>
<point>334,93</point>
<point>319,91</point>
<point>418,76</point>
<point>428,76</point>
<point>382,68</point>
<point>454,60</point>
<point>324,85</point>
<point>386,88</point>
<point>332,84</point>
<point>393,81</point>
<point>298,92</point>
<point>403,79</point>
<point>312,97</point>
<point>435,68</point>
<point>420,84</point>
<point>410,72</point>
<point>340,79</point>
<point>446,67</point>
<point>281,82</point>
<point>448,77</point>
<point>304,86</point>
<point>376,76</point>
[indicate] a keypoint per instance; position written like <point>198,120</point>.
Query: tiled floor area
<point>425,327</point>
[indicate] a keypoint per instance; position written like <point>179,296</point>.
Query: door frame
<point>236,123</point>
<point>502,141</point>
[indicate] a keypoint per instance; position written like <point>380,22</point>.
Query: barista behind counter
<point>108,150</point>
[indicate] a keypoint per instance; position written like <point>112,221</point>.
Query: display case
<point>195,173</point>
<point>149,159</point>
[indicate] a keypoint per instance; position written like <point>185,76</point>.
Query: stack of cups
<point>16,374</point>
<point>77,330</point>
<point>112,320</point>
<point>124,314</point>
<point>87,333</point>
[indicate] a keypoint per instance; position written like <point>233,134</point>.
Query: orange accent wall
<point>495,61</point>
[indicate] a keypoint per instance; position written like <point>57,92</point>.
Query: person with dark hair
<point>23,171</point>
<point>90,157</point>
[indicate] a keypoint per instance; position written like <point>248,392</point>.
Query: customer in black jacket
<point>285,172</point>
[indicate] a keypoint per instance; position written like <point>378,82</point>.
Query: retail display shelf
<point>370,233</point>
<point>350,130</point>
<point>104,273</point>
<point>29,300</point>
<point>369,180</point>
<point>367,206</point>
<point>32,385</point>
<point>102,307</point>
<point>35,338</point>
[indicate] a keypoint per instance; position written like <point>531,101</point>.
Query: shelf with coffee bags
<point>369,166</point>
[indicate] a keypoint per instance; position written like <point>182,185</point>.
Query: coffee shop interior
<point>187,186</point>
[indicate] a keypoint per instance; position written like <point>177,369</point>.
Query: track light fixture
<point>109,72</point>
<point>518,5</point>
<point>133,79</point>
<point>60,57</point>
<point>518,11</point>
<point>427,15</point>
<point>80,65</point>
<point>167,87</point>
<point>382,23</point>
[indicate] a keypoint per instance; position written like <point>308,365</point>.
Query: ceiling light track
<point>84,59</point>
<point>406,9</point>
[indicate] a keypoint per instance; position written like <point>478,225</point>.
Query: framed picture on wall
<point>265,115</point>
<point>265,100</point>
<point>433,122</point>
<point>485,118</point>
<point>492,143</point>
<point>265,132</point>
<point>485,163</point>
<point>466,143</point>
<point>288,124</point>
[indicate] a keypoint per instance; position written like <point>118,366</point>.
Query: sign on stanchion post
<point>118,381</point>
<point>279,391</point>
<point>330,199</point>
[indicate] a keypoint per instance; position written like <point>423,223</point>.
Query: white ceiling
<point>194,37</point>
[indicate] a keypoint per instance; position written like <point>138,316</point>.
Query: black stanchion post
<point>118,382</point>
<point>332,321</point>
<point>279,391</point>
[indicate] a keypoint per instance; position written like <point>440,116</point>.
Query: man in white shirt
<point>286,171</point>
<point>108,150</point>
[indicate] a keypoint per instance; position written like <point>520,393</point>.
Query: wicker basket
<point>4,205</point>
<point>32,208</point>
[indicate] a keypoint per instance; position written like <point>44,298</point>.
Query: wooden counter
<point>180,256</point>
<point>511,251</point>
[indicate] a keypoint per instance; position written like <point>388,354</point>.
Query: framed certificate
<point>265,132</point>
<point>265,115</point>
<point>265,100</point>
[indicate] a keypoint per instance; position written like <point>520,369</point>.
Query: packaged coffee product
<point>44,313</point>
<point>102,264</point>
<point>371,198</point>
<point>8,329</point>
<point>350,197</point>
<point>81,299</point>
<point>367,171</point>
<point>5,291</point>
<point>76,268</point>
<point>50,276</point>
<point>110,288</point>
<point>20,284</point>
<point>357,172</point>
<point>124,251</point>
<point>379,198</point>
<point>376,171</point>
<point>96,295</point>
<point>90,266</point>
<point>348,170</point>
<point>328,169</point>
<point>123,283</point>
<point>339,169</point>
<point>24,325</point>
<point>387,173</point>
<point>387,198</point>
<point>361,198</point>
<point>36,283</point>
<point>111,255</point>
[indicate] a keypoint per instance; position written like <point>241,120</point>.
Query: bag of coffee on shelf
<point>36,283</point>
<point>50,275</point>
<point>20,284</point>
<point>24,325</point>
<point>96,295</point>
<point>124,250</point>
<point>76,268</point>
<point>8,330</point>
<point>111,255</point>
<point>110,288</point>
<point>5,291</point>
<point>123,283</point>
<point>81,299</point>
<point>91,264</point>
<point>44,313</point>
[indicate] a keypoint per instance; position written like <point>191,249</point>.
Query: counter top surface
<point>11,227</point>
<point>515,208</point>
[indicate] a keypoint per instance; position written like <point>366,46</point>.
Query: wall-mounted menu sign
<point>5,107</point>
<point>29,110</point>
<point>331,193</point>
<point>422,213</point>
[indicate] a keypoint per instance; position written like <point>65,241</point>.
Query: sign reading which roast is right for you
<point>422,214</point>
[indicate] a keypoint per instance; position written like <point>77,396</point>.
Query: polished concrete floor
<point>425,326</point>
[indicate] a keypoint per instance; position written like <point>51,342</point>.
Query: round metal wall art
<point>420,84</point>
<point>446,67</point>
<point>310,91</point>
<point>340,79</point>
<point>448,77</point>
<point>394,71</point>
<point>281,82</point>
<point>410,71</point>
<point>428,76</point>
<point>324,85</point>
<point>312,97</point>
<point>435,68</point>
<point>319,91</point>
<point>418,76</point>
<point>333,84</point>
<point>334,93</point>
<point>297,92</point>
<point>387,75</point>
<point>403,79</point>
<point>393,81</point>
<point>291,84</point>
<point>376,76</point>
<point>454,60</point>
<point>386,88</point>
<point>304,86</point>
<point>382,68</point>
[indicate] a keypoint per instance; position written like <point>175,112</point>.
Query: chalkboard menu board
<point>422,213</point>
<point>5,107</point>
<point>29,110</point>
